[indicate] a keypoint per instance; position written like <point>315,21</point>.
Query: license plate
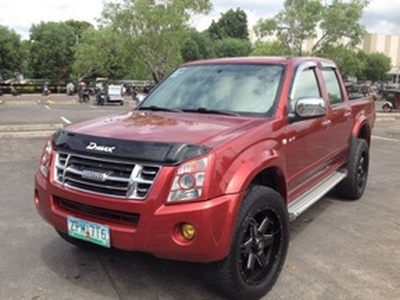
<point>89,231</point>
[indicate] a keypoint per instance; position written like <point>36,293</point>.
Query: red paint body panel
<point>191,128</point>
<point>301,153</point>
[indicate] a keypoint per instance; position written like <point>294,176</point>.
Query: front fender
<point>248,164</point>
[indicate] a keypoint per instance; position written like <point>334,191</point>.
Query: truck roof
<point>259,60</point>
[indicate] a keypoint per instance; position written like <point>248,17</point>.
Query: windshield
<point>235,88</point>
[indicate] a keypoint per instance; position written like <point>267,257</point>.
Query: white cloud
<point>20,15</point>
<point>381,16</point>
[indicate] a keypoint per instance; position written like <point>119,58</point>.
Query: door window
<point>306,86</point>
<point>332,86</point>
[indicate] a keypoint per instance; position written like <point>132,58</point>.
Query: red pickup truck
<point>211,167</point>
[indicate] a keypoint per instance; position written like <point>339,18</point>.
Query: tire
<point>387,108</point>
<point>258,250</point>
<point>87,246</point>
<point>353,186</point>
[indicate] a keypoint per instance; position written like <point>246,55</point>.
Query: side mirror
<point>306,108</point>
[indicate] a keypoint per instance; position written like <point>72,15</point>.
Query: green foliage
<point>302,20</point>
<point>273,48</point>
<point>232,24</point>
<point>154,31</point>
<point>231,47</point>
<point>376,66</point>
<point>295,24</point>
<point>78,27</point>
<point>347,59</point>
<point>341,21</point>
<point>11,52</point>
<point>197,46</point>
<point>51,50</point>
<point>100,53</point>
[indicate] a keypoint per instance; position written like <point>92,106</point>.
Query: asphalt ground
<point>338,249</point>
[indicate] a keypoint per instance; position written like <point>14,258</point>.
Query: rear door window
<point>333,89</point>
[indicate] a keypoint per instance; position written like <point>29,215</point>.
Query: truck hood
<point>168,127</point>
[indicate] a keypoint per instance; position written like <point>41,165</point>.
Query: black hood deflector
<point>157,152</point>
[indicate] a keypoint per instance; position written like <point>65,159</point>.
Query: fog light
<point>188,231</point>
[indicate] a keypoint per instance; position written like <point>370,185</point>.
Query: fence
<point>30,88</point>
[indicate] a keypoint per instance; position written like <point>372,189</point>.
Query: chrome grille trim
<point>114,178</point>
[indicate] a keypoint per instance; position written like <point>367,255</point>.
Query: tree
<point>197,45</point>
<point>273,48</point>
<point>51,50</point>
<point>154,30</point>
<point>302,20</point>
<point>232,24</point>
<point>295,24</point>
<point>340,23</point>
<point>101,53</point>
<point>347,59</point>
<point>376,66</point>
<point>11,52</point>
<point>78,27</point>
<point>231,47</point>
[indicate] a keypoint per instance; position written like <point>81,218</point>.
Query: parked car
<point>211,167</point>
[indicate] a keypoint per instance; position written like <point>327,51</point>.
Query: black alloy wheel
<point>260,247</point>
<point>258,250</point>
<point>353,186</point>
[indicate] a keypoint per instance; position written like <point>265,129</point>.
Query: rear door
<point>340,128</point>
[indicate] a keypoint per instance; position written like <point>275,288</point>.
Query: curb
<point>36,102</point>
<point>10,131</point>
<point>25,134</point>
<point>391,116</point>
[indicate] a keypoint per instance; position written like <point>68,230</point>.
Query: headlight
<point>44,163</point>
<point>189,181</point>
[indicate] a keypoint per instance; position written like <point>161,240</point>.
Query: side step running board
<point>303,202</point>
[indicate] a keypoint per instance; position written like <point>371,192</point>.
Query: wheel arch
<point>363,131</point>
<point>264,168</point>
<point>272,177</point>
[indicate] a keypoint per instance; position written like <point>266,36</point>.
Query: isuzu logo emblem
<point>102,148</point>
<point>93,175</point>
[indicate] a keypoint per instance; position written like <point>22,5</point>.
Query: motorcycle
<point>101,97</point>
<point>85,96</point>
<point>46,89</point>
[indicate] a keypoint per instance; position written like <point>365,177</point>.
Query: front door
<point>307,140</point>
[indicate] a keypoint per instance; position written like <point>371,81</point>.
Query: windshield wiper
<point>204,110</point>
<point>158,108</point>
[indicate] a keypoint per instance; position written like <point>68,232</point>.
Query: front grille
<point>109,177</point>
<point>97,212</point>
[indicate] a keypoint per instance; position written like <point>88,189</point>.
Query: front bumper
<point>157,230</point>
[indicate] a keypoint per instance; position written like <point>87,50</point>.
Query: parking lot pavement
<point>38,99</point>
<point>39,119</point>
<point>338,249</point>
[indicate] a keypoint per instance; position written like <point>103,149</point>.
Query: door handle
<point>347,114</point>
<point>326,123</point>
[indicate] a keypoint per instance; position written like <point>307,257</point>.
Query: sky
<point>381,16</point>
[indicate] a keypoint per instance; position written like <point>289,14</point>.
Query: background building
<point>372,42</point>
<point>386,44</point>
